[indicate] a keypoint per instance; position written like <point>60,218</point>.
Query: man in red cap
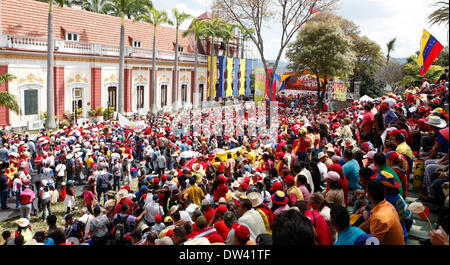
<point>242,235</point>
<point>221,189</point>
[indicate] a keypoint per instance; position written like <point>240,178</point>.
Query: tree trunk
<point>242,50</point>
<point>195,70</point>
<point>120,107</point>
<point>175,78</point>
<point>211,85</point>
<point>50,122</point>
<point>153,89</point>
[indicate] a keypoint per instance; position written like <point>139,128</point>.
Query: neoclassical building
<point>86,68</point>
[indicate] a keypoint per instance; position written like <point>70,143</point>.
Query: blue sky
<point>380,20</point>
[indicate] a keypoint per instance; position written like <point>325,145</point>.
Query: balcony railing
<point>75,47</point>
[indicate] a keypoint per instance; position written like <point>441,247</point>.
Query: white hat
<point>331,175</point>
<point>197,241</point>
<point>73,240</point>
<point>23,222</point>
<point>69,156</point>
<point>44,182</point>
<point>436,121</point>
<point>255,198</point>
<point>173,209</point>
<point>369,155</point>
<point>123,193</point>
<point>321,155</point>
<point>164,241</point>
<point>348,142</point>
<point>78,154</point>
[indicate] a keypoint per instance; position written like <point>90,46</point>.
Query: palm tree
<point>227,35</point>
<point>390,47</point>
<point>245,35</point>
<point>154,17</point>
<point>50,122</point>
<point>97,6</point>
<point>212,29</point>
<point>6,99</point>
<point>131,11</point>
<point>179,19</point>
<point>198,30</point>
<point>440,15</point>
<point>121,5</point>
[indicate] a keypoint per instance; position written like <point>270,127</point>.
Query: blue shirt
<point>351,172</point>
<point>349,235</point>
<point>444,143</point>
<point>390,117</point>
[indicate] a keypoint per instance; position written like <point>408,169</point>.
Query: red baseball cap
<point>289,179</point>
<point>395,132</point>
<point>276,186</point>
<point>244,185</point>
<point>241,231</point>
<point>222,209</point>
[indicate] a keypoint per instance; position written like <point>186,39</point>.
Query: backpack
<point>80,229</point>
<point>121,227</point>
<point>26,196</point>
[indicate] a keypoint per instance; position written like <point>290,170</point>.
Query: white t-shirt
<point>45,194</point>
<point>60,169</point>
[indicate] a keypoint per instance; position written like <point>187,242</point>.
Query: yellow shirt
<point>251,157</point>
<point>195,194</point>
<point>404,149</point>
<point>89,161</point>
<point>297,192</point>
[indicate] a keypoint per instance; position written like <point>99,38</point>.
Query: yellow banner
<point>214,77</point>
<point>242,79</point>
<point>425,37</point>
<point>229,88</point>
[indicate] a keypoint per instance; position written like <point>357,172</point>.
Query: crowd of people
<point>329,178</point>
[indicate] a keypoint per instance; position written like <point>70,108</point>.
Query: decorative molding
<point>202,78</point>
<point>163,79</point>
<point>141,79</point>
<point>184,79</point>
<point>113,78</point>
<point>31,79</point>
<point>77,79</point>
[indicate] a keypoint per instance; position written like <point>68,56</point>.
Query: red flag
<point>425,213</point>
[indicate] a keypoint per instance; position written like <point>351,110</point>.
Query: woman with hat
<point>24,229</point>
<point>335,195</point>
<point>219,188</point>
<point>70,199</point>
<point>280,202</point>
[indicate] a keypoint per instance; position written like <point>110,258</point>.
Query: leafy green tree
<point>325,51</point>
<point>97,6</point>
<point>6,99</point>
<point>412,70</point>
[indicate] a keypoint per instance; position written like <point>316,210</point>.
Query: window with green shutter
<point>30,102</point>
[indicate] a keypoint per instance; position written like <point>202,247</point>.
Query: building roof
<point>29,18</point>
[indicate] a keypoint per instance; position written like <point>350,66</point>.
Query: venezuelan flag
<point>315,9</point>
<point>429,51</point>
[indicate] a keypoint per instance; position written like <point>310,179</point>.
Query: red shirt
<point>88,197</point>
<point>303,147</point>
<point>213,237</point>
<point>118,207</point>
<point>209,214</point>
<point>368,121</point>
<point>404,180</point>
<point>410,99</point>
<point>321,228</point>
<point>222,229</point>
<point>220,191</point>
